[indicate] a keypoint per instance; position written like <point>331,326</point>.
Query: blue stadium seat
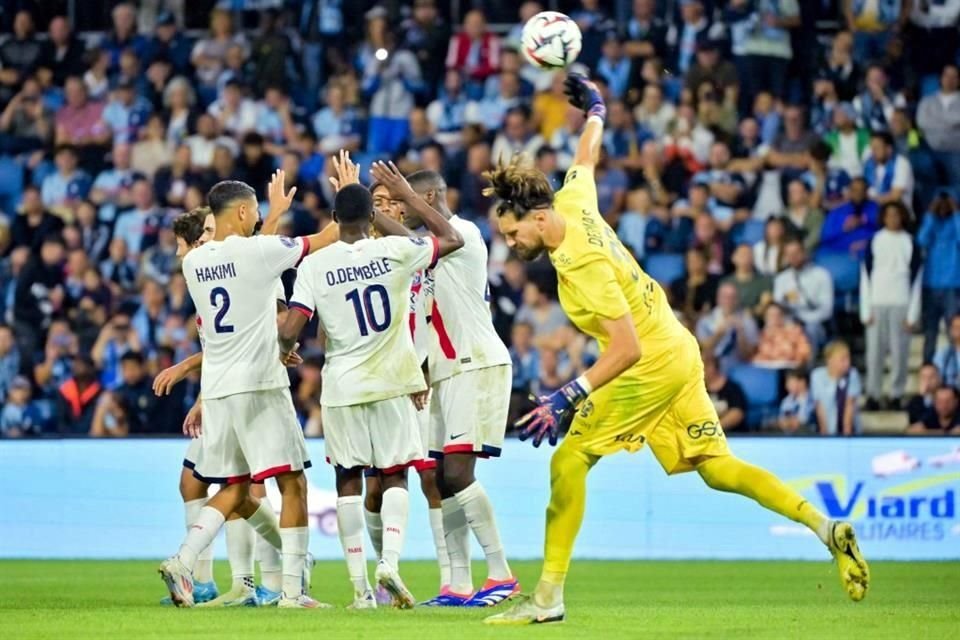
<point>11,184</point>
<point>43,170</point>
<point>749,232</point>
<point>665,267</point>
<point>843,268</point>
<point>762,388</point>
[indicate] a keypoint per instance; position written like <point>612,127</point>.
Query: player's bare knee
<point>458,472</point>
<point>292,485</point>
<point>350,482</point>
<point>395,480</point>
<point>373,496</point>
<point>428,485</point>
<point>191,488</point>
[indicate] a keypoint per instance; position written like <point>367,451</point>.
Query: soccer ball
<point>551,40</point>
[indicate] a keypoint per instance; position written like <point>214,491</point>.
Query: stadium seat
<point>749,232</point>
<point>843,268</point>
<point>665,267</point>
<point>11,184</point>
<point>761,386</point>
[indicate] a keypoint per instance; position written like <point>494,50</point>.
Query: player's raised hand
<point>280,199</point>
<point>585,95</point>
<point>348,172</point>
<point>164,382</point>
<point>389,176</point>
<point>193,423</point>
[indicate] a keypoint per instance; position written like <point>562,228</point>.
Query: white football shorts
<point>384,435</point>
<point>468,412</point>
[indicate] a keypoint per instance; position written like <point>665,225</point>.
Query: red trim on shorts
<point>272,471</point>
<point>397,468</point>
<point>302,308</point>
<point>236,479</point>
<point>436,252</point>
<point>306,249</point>
<point>424,465</point>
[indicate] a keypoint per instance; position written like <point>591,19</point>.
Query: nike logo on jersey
<point>457,435</point>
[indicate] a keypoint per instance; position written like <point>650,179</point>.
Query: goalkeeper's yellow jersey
<point>599,279</point>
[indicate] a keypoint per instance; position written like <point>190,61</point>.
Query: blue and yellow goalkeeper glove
<point>552,415</point>
<point>585,95</point>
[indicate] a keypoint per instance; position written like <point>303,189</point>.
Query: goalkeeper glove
<point>584,95</point>
<point>552,415</point>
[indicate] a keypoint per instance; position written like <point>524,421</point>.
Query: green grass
<point>75,599</point>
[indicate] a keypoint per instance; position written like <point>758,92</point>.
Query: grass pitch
<point>79,599</point>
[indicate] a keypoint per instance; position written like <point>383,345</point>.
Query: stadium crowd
<point>792,186</point>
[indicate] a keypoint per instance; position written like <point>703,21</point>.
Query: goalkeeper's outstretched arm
<point>585,95</point>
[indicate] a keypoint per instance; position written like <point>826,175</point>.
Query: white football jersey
<point>419,313</point>
<point>279,294</point>
<point>233,284</point>
<point>462,338</point>
<point>361,292</point>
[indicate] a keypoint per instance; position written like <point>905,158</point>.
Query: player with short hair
<point>360,289</point>
<point>250,429</point>
<point>470,381</point>
<point>427,467</point>
<point>646,387</point>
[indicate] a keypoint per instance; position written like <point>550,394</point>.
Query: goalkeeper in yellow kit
<point>647,386</point>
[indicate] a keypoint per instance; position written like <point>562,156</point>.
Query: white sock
<point>823,531</point>
<point>240,541</point>
<point>295,542</point>
<point>202,532</point>
<point>264,522</point>
<point>375,529</point>
<point>271,569</point>
<point>479,512</point>
<point>436,526</point>
<point>350,529</point>
<point>395,511</point>
<point>203,568</point>
<point>457,536</point>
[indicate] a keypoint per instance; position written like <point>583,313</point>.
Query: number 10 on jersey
<point>367,316</point>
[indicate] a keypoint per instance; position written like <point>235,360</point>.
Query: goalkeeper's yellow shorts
<point>668,409</point>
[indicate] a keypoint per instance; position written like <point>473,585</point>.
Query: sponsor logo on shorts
<point>708,429</point>
<point>454,436</point>
<point>631,438</point>
<point>586,409</point>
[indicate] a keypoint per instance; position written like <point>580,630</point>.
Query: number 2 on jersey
<point>220,300</point>
<point>366,316</point>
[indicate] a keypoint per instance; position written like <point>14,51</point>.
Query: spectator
<point>836,388</point>
<point>169,44</point>
<point>727,187</point>
<point>255,165</point>
<point>597,29</point>
<point>235,113</point>
<point>944,420</point>
<point>123,36</point>
<point>118,270</point>
<point>682,37</point>
<point>768,254</point>
<point>622,140</point>
<point>21,416</point>
<point>391,81</point>
<point>526,369</point>
<point>63,53</point>
<point>645,33</point>
<point>160,261</point>
<point>712,68</point>
<point>139,226</point>
<point>271,52</point>
<point>694,293</point>
<point>611,189</point>
<point>491,111</point>
<point>669,231</point>
<point>19,55</point>
<point>939,118</point>
<point>38,295</point>
<point>939,236</point>
<point>60,347</point>
<point>96,79</point>
<point>9,360</point>
<point>920,407</point>
<point>427,35</point>
<point>708,238</point>
<point>728,332</point>
<point>507,290</point>
<point>209,54</point>
<point>77,397</point>
<point>205,141</point>
<point>888,174</point>
<point>517,137</point>
<point>728,398</point>
<point>178,101</point>
<point>614,67</point>
<point>768,47</point>
<point>689,140</point>
<point>94,233</point>
<point>34,224</point>
<point>805,290</point>
<point>632,226</point>
<point>932,22</point>
<point>890,303</point>
<point>63,189</point>
<point>848,143</point>
<point>171,181</point>
<point>828,185</point>
<point>654,113</point>
<point>447,114</point>
<point>807,220</point>
<point>337,124</point>
<point>26,123</point>
<point>947,359</point>
<point>112,189</point>
<point>850,227</point>
<point>790,151</point>
<point>79,122</point>
<point>544,315</point>
<point>474,51</point>
<point>153,150</point>
<point>797,407</point>
<point>782,342</point>
<point>841,67</point>
<point>873,24</point>
<point>876,103</point>
<point>754,290</point>
<point>550,108</point>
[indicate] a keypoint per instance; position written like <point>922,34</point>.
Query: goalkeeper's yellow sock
<point>568,497</point>
<point>728,473</point>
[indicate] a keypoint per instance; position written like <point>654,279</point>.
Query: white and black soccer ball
<point>551,40</point>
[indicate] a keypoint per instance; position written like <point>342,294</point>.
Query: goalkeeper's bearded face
<point>524,235</point>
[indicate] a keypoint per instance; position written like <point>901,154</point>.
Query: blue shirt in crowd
<point>940,238</point>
